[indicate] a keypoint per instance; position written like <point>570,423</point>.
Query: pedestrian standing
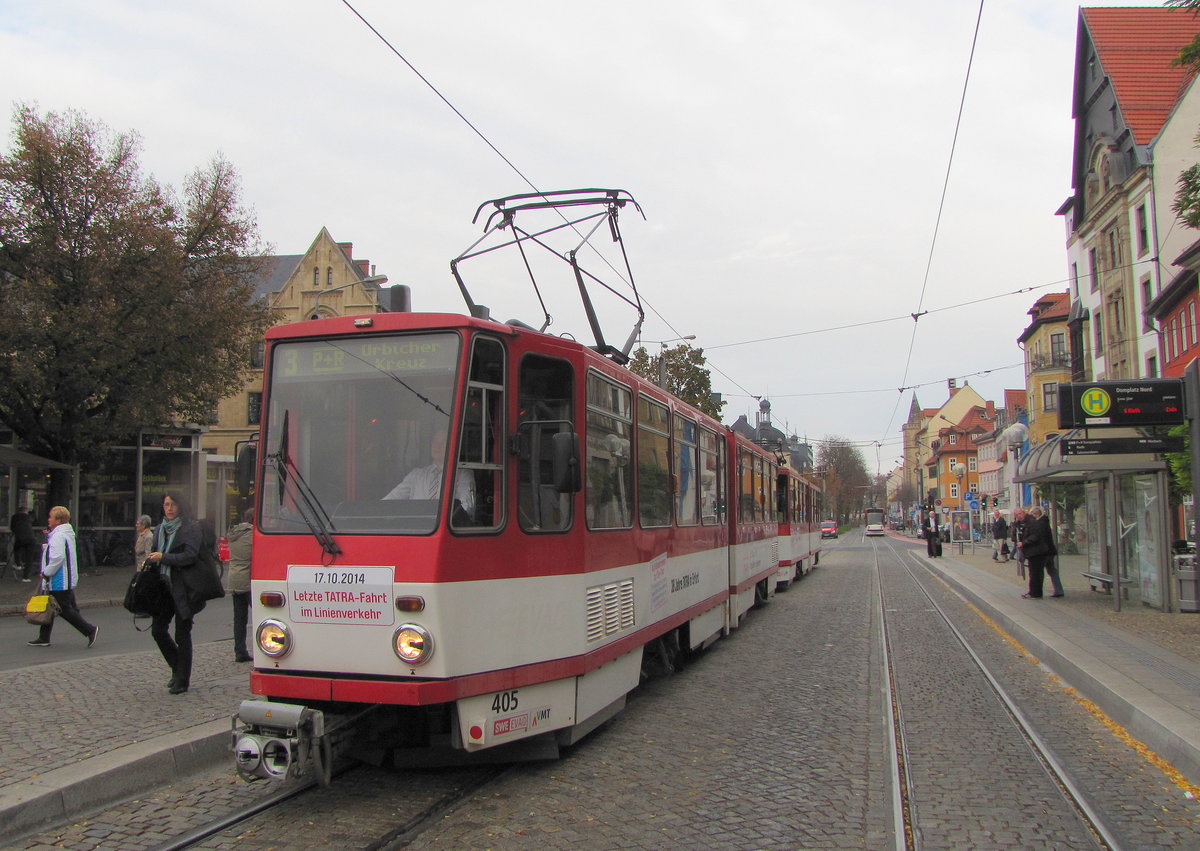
<point>1015,530</point>
<point>933,535</point>
<point>177,541</point>
<point>1043,519</point>
<point>240,539</point>
<point>143,544</point>
<point>60,574</point>
<point>1037,544</point>
<point>999,536</point>
<point>24,542</point>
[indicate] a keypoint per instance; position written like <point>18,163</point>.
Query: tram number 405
<point>505,701</point>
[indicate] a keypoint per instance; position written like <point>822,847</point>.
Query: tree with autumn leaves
<point>682,373</point>
<point>125,304</point>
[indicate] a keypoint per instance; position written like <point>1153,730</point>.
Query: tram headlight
<point>412,643</point>
<point>274,638</point>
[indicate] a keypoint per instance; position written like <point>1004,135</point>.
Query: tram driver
<point>426,482</point>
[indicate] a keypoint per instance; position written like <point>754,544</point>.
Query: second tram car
<point>875,518</point>
<point>477,531</point>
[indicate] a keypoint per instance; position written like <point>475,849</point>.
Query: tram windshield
<point>356,434</point>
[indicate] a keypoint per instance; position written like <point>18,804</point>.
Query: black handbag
<point>148,593</point>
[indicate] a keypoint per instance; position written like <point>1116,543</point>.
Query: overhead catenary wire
<point>916,314</point>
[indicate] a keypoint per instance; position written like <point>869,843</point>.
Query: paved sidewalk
<point>77,735</point>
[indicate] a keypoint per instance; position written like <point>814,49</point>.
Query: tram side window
<point>687,510</point>
<point>783,513</point>
<point>480,471</point>
<point>745,486</point>
<point>712,479</point>
<point>654,467</point>
<point>546,386</point>
<point>609,479</point>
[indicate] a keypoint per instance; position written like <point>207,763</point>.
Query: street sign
<point>974,505</point>
<point>1119,445</point>
<point>1150,401</point>
<point>969,495</point>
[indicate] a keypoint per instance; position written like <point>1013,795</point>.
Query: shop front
<point>1112,508</point>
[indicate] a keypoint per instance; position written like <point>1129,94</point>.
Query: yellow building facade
<point>323,281</point>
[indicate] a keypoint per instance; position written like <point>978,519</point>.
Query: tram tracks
<point>921,806</point>
<point>399,821</point>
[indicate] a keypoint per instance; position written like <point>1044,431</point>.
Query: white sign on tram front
<point>348,595</point>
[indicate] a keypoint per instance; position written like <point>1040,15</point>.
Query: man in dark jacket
<point>933,535</point>
<point>999,536</point>
<point>1037,544</point>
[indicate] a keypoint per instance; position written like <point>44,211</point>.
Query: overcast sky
<point>789,158</point>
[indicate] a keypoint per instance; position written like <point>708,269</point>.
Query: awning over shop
<point>1046,463</point>
<point>17,458</point>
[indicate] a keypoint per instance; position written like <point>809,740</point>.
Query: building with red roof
<point>1135,113</point>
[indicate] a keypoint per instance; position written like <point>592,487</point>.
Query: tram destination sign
<point>1119,445</point>
<point>1137,402</point>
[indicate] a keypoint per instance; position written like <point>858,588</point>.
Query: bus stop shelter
<point>1113,508</point>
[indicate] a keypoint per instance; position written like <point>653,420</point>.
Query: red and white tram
<point>481,528</point>
<point>799,504</point>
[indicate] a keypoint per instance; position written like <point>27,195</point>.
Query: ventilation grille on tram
<point>609,609</point>
<point>774,551</point>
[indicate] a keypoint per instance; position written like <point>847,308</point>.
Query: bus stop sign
<point>1137,402</point>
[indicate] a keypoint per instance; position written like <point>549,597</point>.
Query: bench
<point>1106,581</point>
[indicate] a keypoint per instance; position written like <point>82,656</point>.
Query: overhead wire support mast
<point>504,216</point>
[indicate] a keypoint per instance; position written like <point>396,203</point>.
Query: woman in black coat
<point>1037,545</point>
<point>176,547</point>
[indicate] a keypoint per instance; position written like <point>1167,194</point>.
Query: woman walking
<point>176,544</point>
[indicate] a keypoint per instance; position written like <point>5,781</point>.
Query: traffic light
<point>983,501</point>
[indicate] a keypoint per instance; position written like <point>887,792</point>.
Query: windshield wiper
<point>314,515</point>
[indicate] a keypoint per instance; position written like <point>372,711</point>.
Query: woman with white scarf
<point>176,547</point>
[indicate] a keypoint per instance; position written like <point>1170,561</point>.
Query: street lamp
<point>959,471</point>
<point>662,361</point>
<point>373,279</point>
<point>1015,436</point>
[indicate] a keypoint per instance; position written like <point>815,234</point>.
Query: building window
<point>254,409</point>
<point>1112,248</point>
<point>1192,321</point>
<point>1075,281</point>
<point>1143,234</point>
<point>1176,351</point>
<point>972,464</point>
<point>1058,349</point>
<point>1093,271</point>
<point>1147,297</point>
<point>316,276</point>
<point>954,490</point>
<point>258,356</point>
<point>1050,396</point>
<point>1099,331</point>
<point>953,439</point>
<point>1152,367</point>
<point>329,276</point>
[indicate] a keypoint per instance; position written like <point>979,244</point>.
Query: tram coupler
<point>279,740</point>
